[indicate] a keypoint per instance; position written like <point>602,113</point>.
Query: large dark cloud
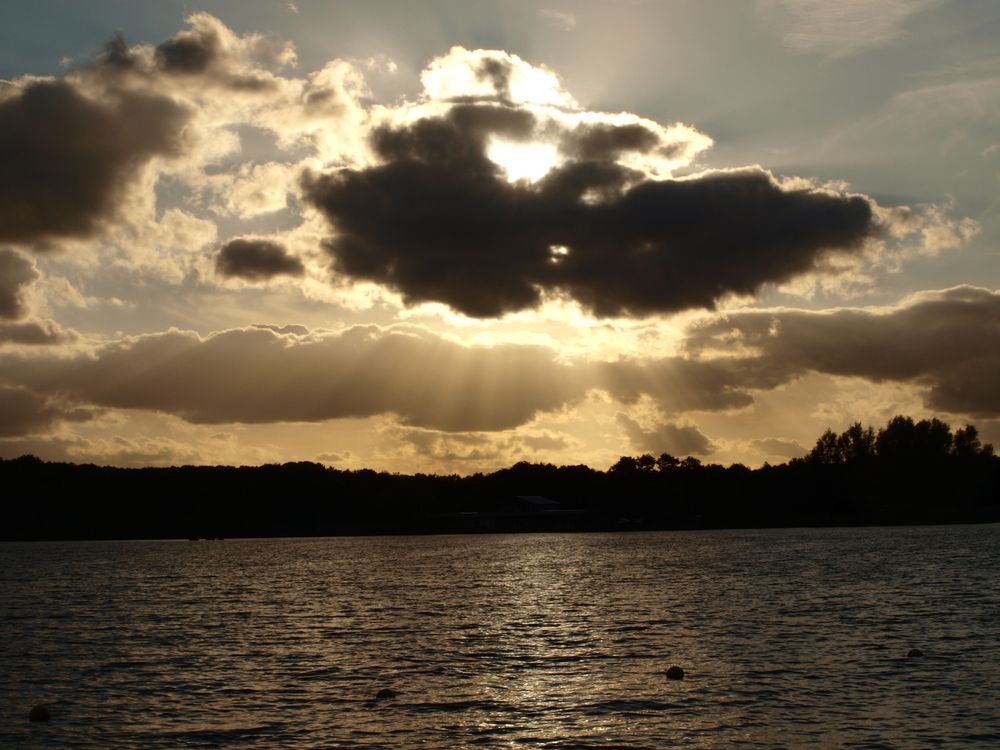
<point>283,374</point>
<point>948,342</point>
<point>67,158</point>
<point>438,221</point>
<point>256,259</point>
<point>258,375</point>
<point>16,274</point>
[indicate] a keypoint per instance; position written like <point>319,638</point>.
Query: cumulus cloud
<point>664,437</point>
<point>68,156</point>
<point>497,190</point>
<point>208,52</point>
<point>256,259</point>
<point>438,221</point>
<point>107,157</point>
<point>947,342</point>
<point>17,275</point>
<point>464,75</point>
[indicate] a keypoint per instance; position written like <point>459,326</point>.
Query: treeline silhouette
<point>906,472</point>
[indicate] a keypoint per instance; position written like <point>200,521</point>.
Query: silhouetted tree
<point>645,462</point>
<point>826,450</point>
<point>666,462</point>
<point>625,465</point>
<point>856,443</point>
<point>907,472</point>
<point>897,440</point>
<point>966,444</point>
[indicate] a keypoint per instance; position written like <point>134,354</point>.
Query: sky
<point>452,236</point>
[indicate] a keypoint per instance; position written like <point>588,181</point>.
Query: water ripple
<point>788,638</point>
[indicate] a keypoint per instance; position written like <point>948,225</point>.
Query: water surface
<point>788,638</point>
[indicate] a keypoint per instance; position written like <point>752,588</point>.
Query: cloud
<point>270,373</point>
<point>34,333</point>
<point>255,189</point>
<point>16,274</point>
<point>259,375</point>
<point>678,384</point>
<point>187,53</point>
<point>100,158</point>
<point>839,29</point>
<point>68,157</point>
<point>464,75</point>
<point>607,141</point>
<point>666,438</point>
<point>212,54</point>
<point>24,413</point>
<point>559,18</point>
<point>438,221</point>
<point>256,259</point>
<point>333,458</point>
<point>947,342</point>
<point>480,449</point>
<point>778,447</point>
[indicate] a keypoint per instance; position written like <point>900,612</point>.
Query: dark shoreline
<point>53,501</point>
<point>374,535</point>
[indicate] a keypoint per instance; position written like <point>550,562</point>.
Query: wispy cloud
<point>839,29</point>
<point>560,18</point>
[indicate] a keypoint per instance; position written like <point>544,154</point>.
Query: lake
<point>788,638</point>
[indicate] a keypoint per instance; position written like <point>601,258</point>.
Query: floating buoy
<point>385,693</point>
<point>675,673</point>
<point>914,652</point>
<point>39,713</point>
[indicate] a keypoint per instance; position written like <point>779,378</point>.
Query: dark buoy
<point>914,652</point>
<point>675,673</point>
<point>39,713</point>
<point>385,693</point>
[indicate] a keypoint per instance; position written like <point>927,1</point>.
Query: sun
<point>523,161</point>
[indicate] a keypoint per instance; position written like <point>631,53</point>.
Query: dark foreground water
<point>790,638</point>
